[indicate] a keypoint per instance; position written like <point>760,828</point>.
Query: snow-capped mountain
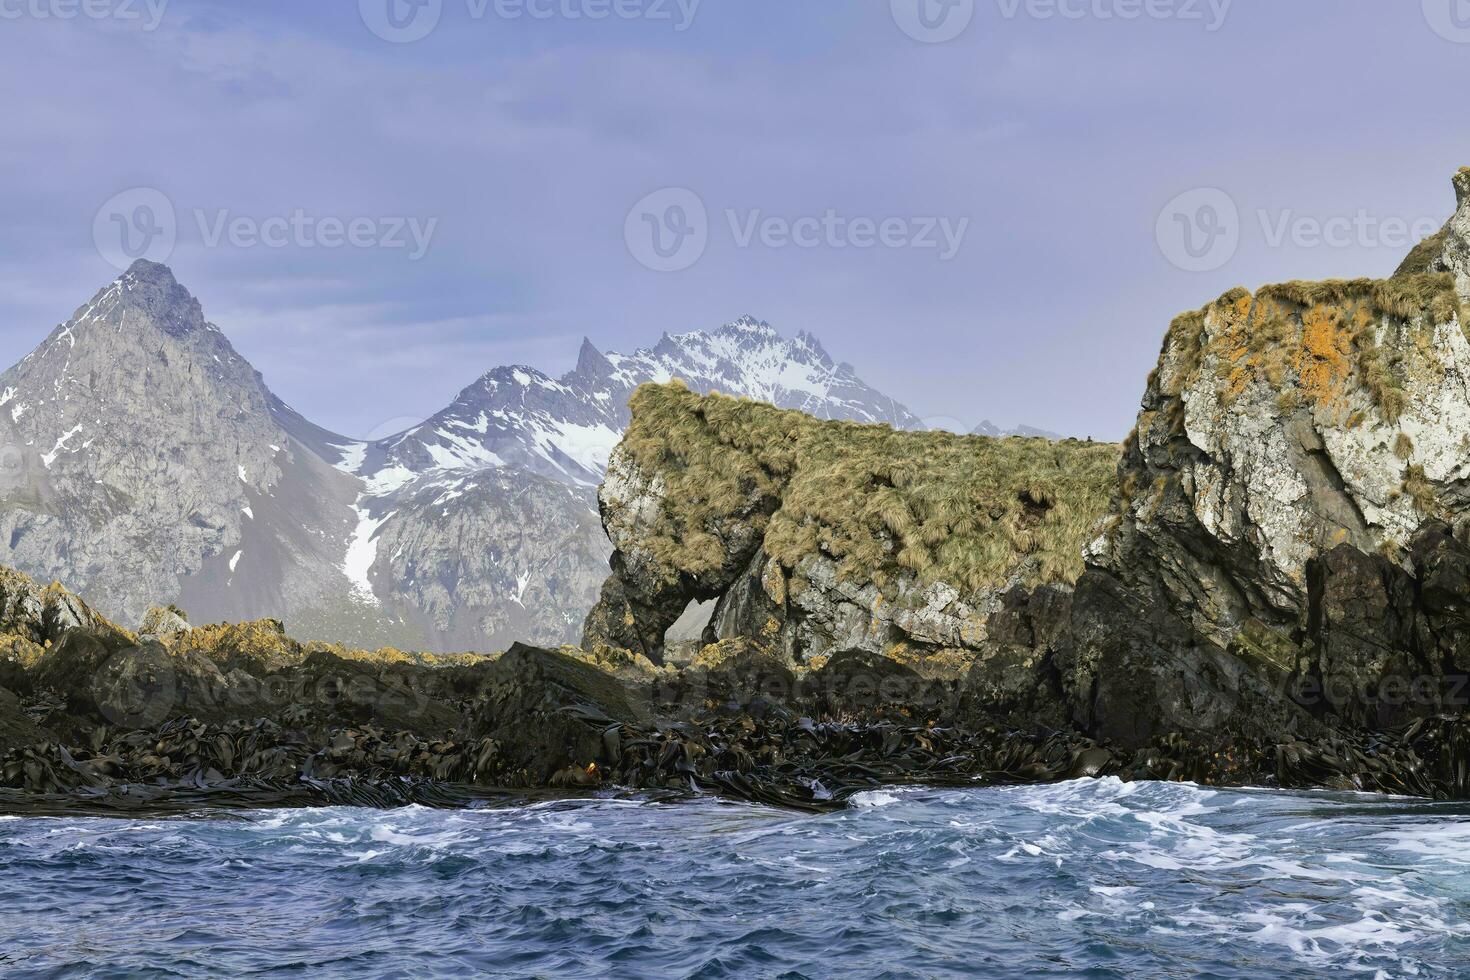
<point>143,460</point>
<point>989,428</point>
<point>518,429</point>
<point>147,461</point>
<point>566,428</point>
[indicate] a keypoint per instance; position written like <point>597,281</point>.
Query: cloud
<point>528,143</point>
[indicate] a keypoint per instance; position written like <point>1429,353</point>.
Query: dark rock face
<point>1386,645</point>
<point>16,729</point>
<point>112,710</point>
<point>1133,670</point>
<point>1287,554</point>
<point>40,613</point>
<point>546,716</point>
<point>1015,678</point>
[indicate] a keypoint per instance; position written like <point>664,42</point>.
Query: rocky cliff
<point>825,537</point>
<point>1289,547</point>
<point>1285,552</point>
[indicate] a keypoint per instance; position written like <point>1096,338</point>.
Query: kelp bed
<point>759,754</point>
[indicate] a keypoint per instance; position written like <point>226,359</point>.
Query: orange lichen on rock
<point>1316,343</point>
<point>1325,361</point>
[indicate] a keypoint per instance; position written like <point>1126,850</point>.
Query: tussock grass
<point>263,643</point>
<point>1318,341</point>
<point>969,511</point>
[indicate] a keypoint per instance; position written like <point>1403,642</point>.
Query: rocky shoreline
<point>1267,584</point>
<point>535,724</point>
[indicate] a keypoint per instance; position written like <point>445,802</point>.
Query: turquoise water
<point>1090,878</point>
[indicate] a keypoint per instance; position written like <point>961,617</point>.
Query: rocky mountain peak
<point>591,362</point>
<point>1449,249</point>
<point>812,344</point>
<point>146,462</point>
<point>751,326</point>
<point>150,289</point>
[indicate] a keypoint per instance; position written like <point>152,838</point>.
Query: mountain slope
<point>434,547</point>
<point>989,428</point>
<point>143,460</point>
<point>566,428</point>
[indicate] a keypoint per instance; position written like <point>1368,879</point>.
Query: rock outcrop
<point>1286,554</point>
<point>163,622</point>
<point>1289,549</point>
<point>826,537</point>
<point>39,613</point>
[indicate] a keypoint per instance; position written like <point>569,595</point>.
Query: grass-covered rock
<point>1295,481</point>
<point>825,535</point>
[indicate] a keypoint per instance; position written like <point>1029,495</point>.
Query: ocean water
<point>1089,878</point>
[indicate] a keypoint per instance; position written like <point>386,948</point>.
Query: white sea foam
<point>874,798</point>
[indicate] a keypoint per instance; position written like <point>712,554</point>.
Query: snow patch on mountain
<point>520,418</point>
<point>989,428</point>
<point>362,551</point>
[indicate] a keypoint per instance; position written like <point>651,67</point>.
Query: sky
<point>991,208</point>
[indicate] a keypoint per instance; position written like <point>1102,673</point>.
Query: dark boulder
<point>17,730</point>
<point>545,715</point>
<point>859,682</point>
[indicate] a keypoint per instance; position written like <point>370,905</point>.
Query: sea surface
<point>1089,878</point>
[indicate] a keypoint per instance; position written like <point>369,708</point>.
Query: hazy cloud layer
<point>1058,139</point>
